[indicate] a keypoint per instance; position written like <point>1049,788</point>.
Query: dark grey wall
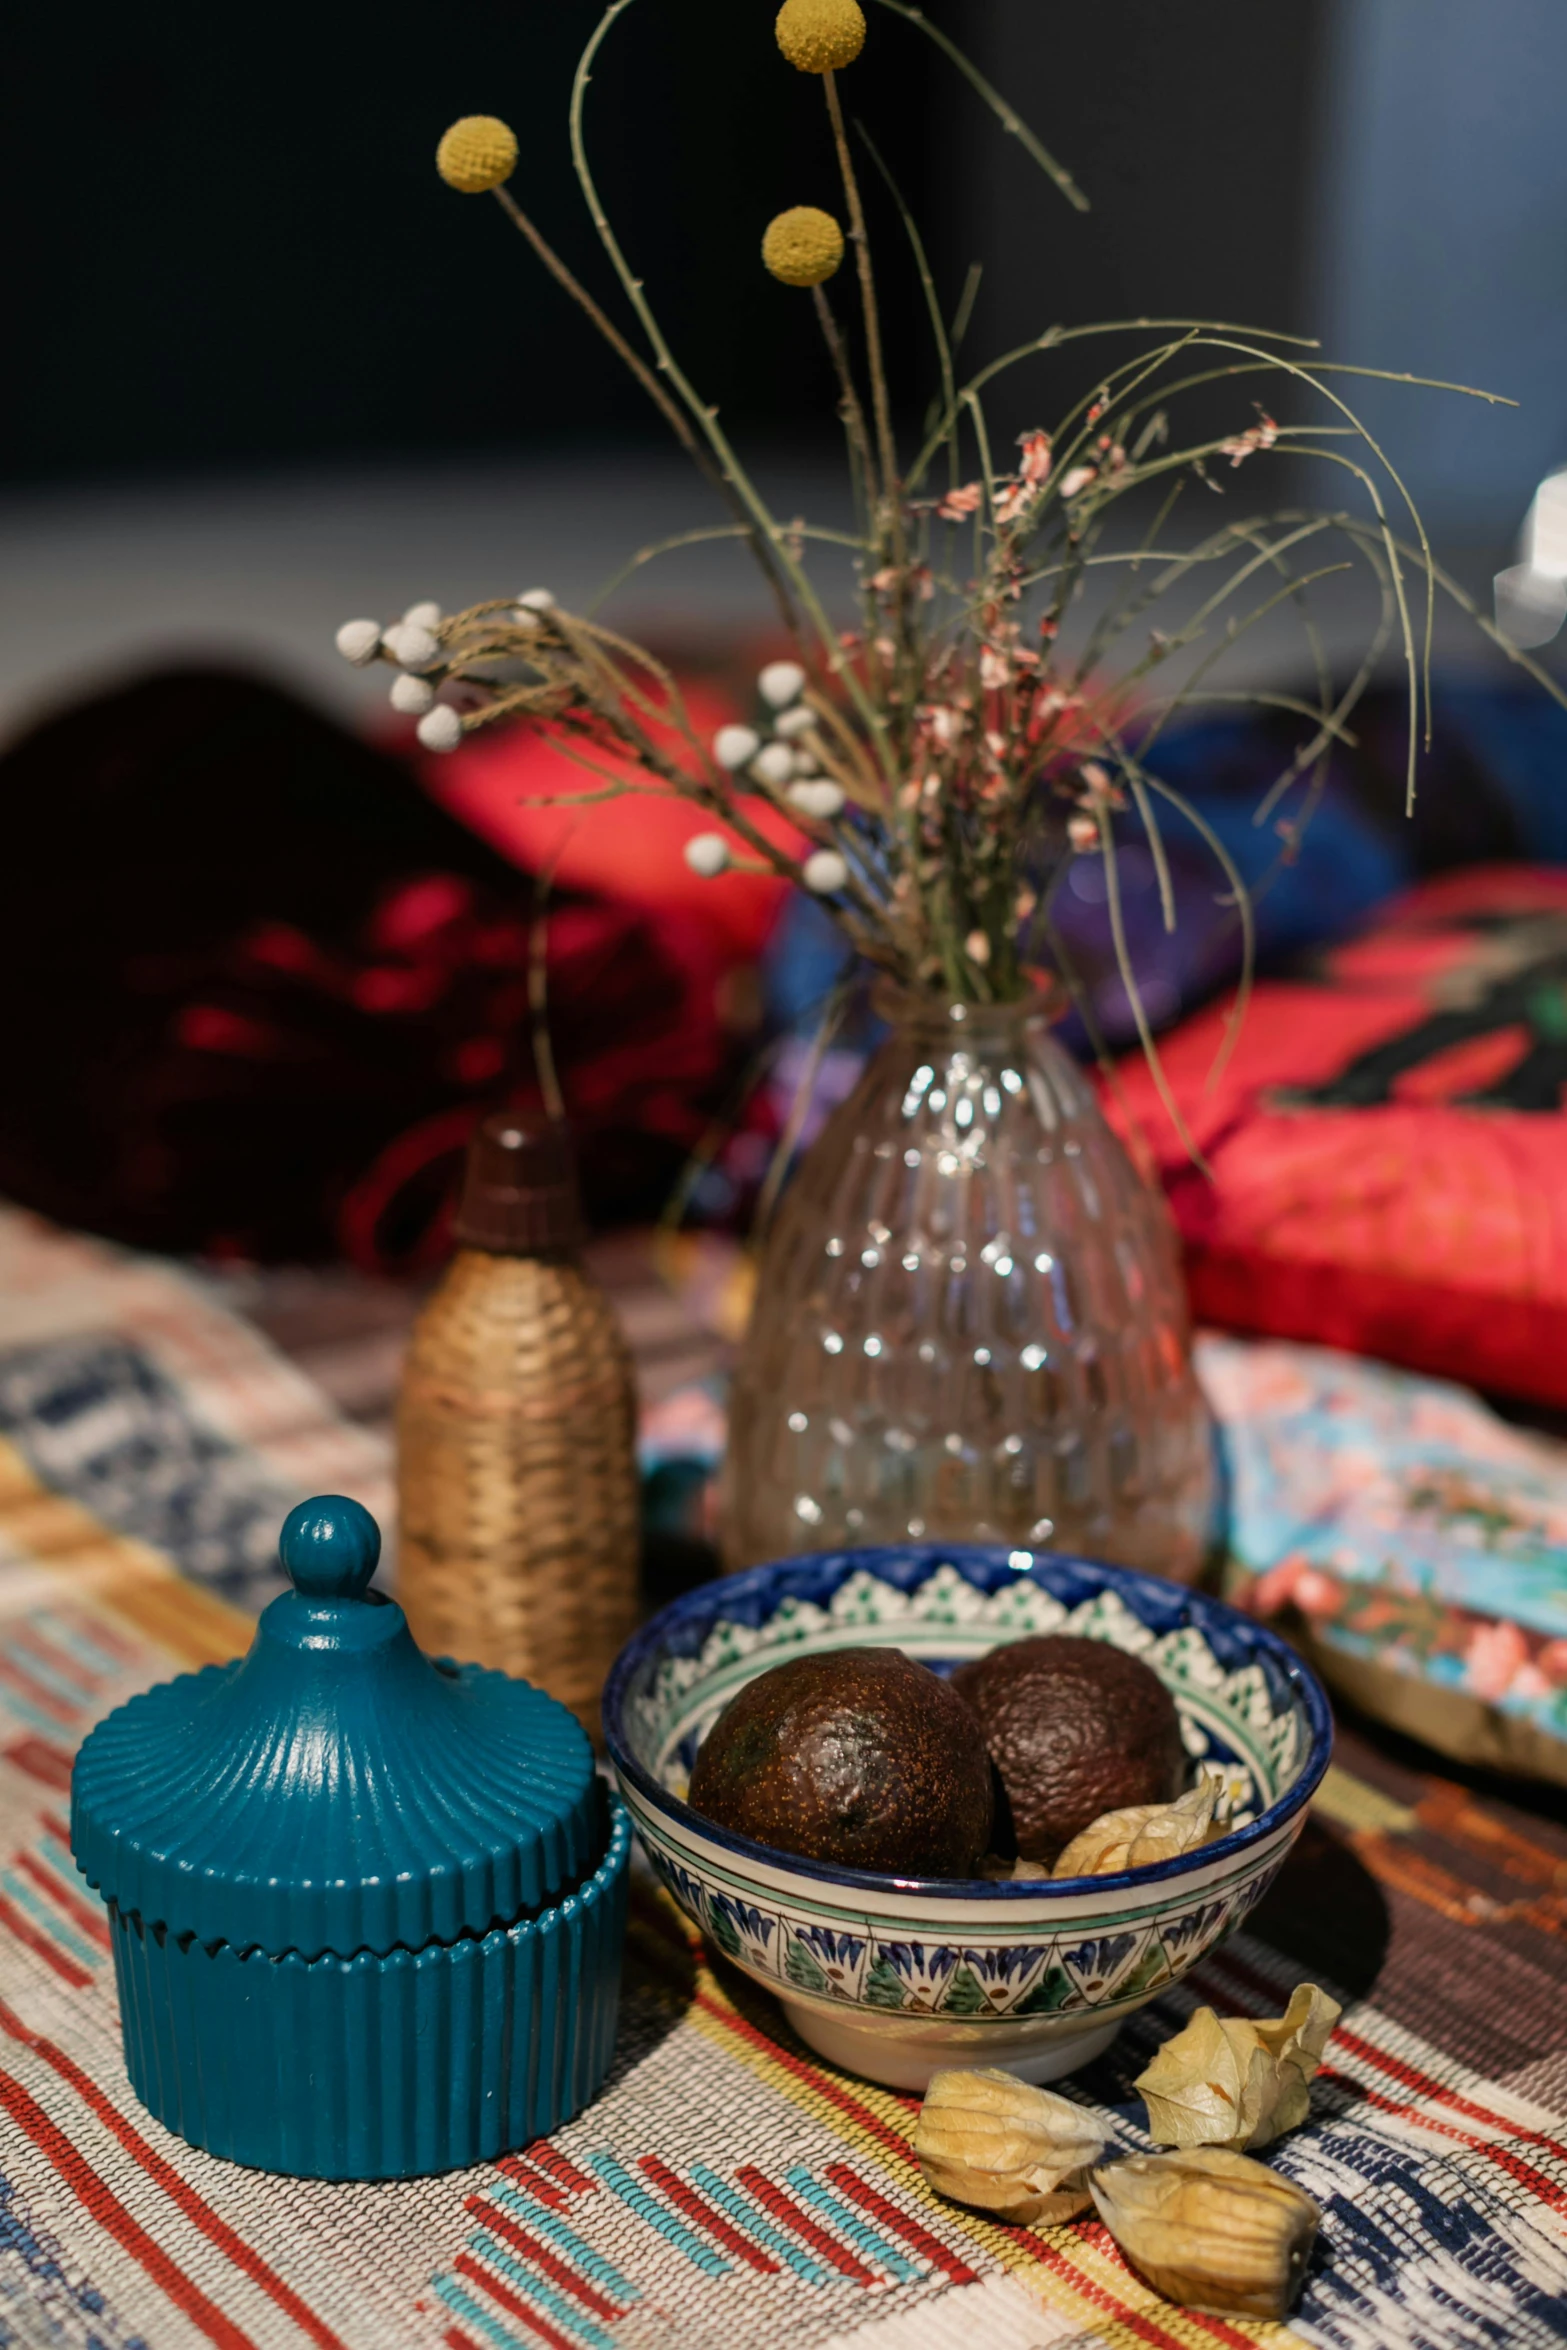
<point>1192,127</point>
<point>226,243</point>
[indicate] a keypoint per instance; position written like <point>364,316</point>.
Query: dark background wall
<point>1193,129</point>
<point>227,244</point>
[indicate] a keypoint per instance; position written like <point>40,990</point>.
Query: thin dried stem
<point>849,397</point>
<point>538,988</point>
<point>881,398</point>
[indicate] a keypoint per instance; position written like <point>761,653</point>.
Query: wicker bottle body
<point>517,1475</point>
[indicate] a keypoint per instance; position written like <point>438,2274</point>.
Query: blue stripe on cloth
<point>745,2215</point>
<point>34,1717</point>
<point>564,2311</point>
<point>50,1920</point>
<point>555,2231</point>
<point>77,1641</point>
<point>647,2206</point>
<point>62,1859</point>
<point>27,1660</point>
<point>448,2290</point>
<point>851,2224</point>
<point>64,2305</point>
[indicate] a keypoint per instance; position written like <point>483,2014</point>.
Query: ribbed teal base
<point>379,2068</point>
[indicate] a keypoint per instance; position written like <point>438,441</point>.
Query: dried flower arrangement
<point>940,764</point>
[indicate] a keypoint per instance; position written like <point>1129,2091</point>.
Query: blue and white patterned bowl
<point>894,1977</point>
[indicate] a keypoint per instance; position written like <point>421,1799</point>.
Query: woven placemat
<point>727,2188</point>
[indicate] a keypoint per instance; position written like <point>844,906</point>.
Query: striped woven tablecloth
<point>727,2189</point>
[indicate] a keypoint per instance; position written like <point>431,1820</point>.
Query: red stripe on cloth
<point>1544,2190</point>
<point>29,1935</point>
<point>511,2302</point>
<point>872,2123</point>
<point>12,1675</point>
<point>917,2238</point>
<point>560,2167</point>
<point>687,2199</point>
<point>1396,2068</point>
<point>196,2209</point>
<point>546,2191</point>
<point>456,2339</point>
<point>49,1765</point>
<point>110,2213</point>
<point>90,1920</point>
<point>542,2257</point>
<point>100,1633</point>
<point>783,2207</point>
<point>30,1639</point>
<point>57,1827</point>
<point>1412,2078</point>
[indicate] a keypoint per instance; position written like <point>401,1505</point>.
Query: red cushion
<point>1387,1142</point>
<point>632,849</point>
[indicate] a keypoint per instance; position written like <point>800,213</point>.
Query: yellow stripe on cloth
<point>52,1549</point>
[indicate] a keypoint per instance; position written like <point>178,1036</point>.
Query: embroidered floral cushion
<point>1412,1542</point>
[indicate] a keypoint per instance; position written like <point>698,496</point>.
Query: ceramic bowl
<point>895,1977</point>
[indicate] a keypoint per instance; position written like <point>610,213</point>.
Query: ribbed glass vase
<point>970,1322</point>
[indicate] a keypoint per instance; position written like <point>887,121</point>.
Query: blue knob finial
<point>330,1547</point>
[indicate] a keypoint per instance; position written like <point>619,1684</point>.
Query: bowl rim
<point>1126,1582</point>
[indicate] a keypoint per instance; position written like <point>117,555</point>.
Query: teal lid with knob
<point>331,1813</point>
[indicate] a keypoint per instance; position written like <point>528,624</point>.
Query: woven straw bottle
<point>516,1429</point>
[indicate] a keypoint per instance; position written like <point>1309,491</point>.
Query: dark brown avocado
<point>860,1757</point>
<point>1075,1728</point>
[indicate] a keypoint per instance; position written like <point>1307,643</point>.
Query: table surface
<point>727,2186</point>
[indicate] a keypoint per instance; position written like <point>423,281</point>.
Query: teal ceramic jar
<point>367,1909</point>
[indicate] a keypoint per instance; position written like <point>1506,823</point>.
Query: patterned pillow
<point>1386,1150</point>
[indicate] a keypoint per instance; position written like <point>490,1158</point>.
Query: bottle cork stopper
<point>519,1195</point>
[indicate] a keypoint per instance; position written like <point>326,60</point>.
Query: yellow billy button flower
<point>819,36</point>
<point>477,154</point>
<point>803,247</point>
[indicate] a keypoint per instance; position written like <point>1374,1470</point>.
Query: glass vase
<point>970,1321</point>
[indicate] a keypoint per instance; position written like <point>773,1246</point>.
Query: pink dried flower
<point>1242,445</point>
<point>1078,479</point>
<point>977,948</point>
<point>958,503</point>
<point>1083,833</point>
<point>1494,1654</point>
<point>995,670</point>
<point>1034,464</point>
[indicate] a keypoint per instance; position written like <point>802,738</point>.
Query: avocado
<point>860,1756</point>
<point>1075,1728</point>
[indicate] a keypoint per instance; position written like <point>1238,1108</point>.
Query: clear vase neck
<point>941,1020</point>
